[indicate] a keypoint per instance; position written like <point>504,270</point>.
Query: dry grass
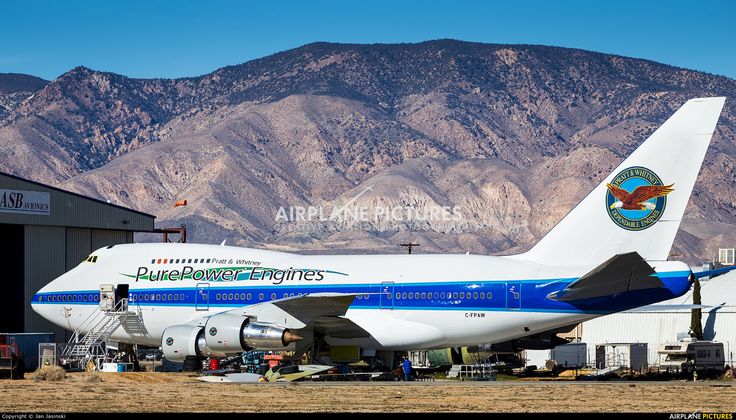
<point>50,373</point>
<point>181,392</point>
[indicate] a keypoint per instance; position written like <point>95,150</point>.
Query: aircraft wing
<point>713,273</point>
<point>621,273</point>
<point>323,311</point>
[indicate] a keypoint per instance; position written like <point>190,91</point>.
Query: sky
<point>181,38</point>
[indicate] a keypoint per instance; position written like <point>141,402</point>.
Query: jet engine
<point>223,335</point>
<point>180,341</point>
<point>230,333</point>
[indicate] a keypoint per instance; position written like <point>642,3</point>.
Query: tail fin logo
<point>636,198</point>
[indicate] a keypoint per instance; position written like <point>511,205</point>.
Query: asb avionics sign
<point>25,202</point>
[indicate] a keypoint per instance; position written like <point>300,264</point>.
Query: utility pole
<point>409,246</point>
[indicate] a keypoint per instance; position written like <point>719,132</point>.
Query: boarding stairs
<point>87,341</point>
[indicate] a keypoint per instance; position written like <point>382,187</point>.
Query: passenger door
<point>202,297</point>
<point>513,295</point>
<point>387,295</point>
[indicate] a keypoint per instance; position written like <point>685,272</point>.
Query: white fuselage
<point>403,301</point>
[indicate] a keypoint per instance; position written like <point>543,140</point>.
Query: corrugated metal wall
<point>102,238</point>
<point>45,255</point>
<point>78,246</point>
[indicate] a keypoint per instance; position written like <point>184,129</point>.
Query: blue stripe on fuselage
<point>471,295</point>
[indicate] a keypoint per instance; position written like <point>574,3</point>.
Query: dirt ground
<point>181,392</point>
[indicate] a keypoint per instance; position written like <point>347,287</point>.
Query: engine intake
<point>180,341</point>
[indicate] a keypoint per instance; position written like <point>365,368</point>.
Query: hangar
<point>46,231</point>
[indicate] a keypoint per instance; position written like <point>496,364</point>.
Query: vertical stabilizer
<point>639,206</point>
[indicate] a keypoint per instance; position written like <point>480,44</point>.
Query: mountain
<point>507,138</point>
<point>14,88</point>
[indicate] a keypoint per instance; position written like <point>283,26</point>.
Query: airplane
<point>608,254</point>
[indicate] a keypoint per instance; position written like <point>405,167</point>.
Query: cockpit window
<point>91,259</point>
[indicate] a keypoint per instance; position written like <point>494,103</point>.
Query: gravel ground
<point>181,392</point>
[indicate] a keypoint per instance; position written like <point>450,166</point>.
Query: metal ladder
<point>86,341</point>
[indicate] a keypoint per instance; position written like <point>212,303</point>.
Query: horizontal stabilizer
<point>621,273</point>
<point>674,307</point>
<point>713,273</point>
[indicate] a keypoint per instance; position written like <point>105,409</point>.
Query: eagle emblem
<point>636,198</point>
<point>639,198</point>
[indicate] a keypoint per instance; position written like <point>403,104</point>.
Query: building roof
<point>71,209</point>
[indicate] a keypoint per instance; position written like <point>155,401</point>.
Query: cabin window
<point>455,295</point>
<point>248,296</point>
<point>208,260</point>
<point>475,295</point>
<point>489,295</point>
<point>273,296</point>
<point>153,261</point>
<point>171,297</point>
<point>260,296</point>
<point>424,295</point>
<point>436,295</point>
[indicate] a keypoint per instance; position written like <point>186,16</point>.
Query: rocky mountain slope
<point>507,137</point>
<point>14,88</point>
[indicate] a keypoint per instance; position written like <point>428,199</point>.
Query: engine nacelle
<point>229,333</point>
<point>180,341</point>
